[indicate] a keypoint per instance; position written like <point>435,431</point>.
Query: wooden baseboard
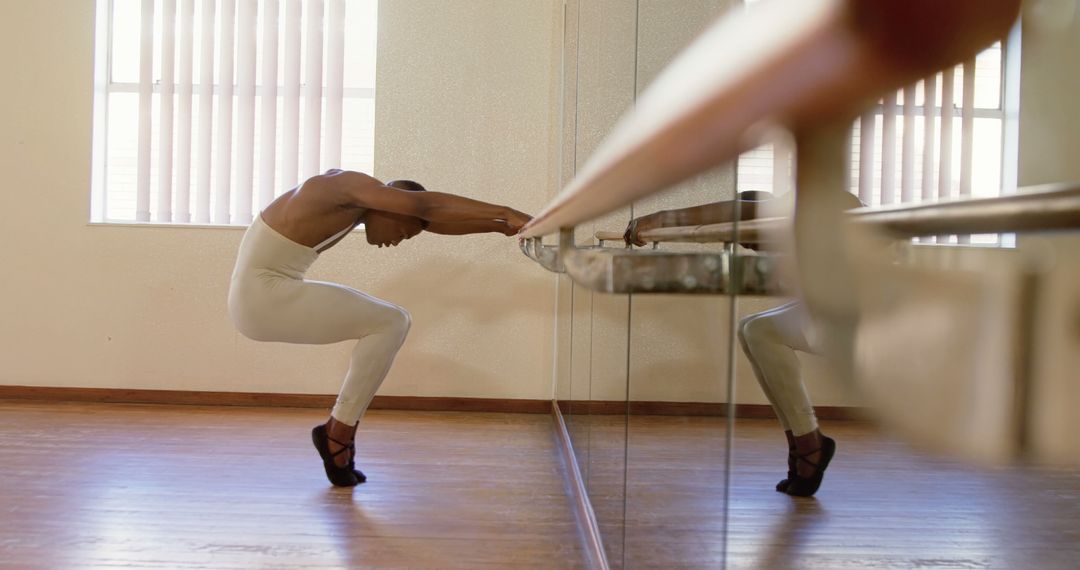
<point>757,411</point>
<point>414,403</point>
<point>255,399</point>
<point>440,404</point>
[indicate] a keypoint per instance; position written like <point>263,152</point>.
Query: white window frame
<point>1007,113</point>
<point>105,86</point>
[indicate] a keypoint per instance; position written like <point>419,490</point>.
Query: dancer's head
<point>387,228</point>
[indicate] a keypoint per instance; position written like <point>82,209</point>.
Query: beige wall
<point>1050,84</point>
<point>678,345</point>
<point>469,101</point>
<point>604,60</point>
<point>1049,147</point>
<point>465,104</point>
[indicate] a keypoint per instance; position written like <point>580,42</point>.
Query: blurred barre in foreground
<point>968,350</point>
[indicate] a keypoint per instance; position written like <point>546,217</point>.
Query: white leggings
<point>770,339</point>
<point>269,300</point>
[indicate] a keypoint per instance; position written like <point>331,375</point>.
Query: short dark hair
<point>410,185</point>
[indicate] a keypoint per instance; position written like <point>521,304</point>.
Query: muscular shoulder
<point>338,187</point>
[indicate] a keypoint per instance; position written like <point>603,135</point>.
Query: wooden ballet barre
<point>794,65</point>
<point>804,66</point>
<point>618,270</point>
<point>756,231</point>
<point>1034,208</point>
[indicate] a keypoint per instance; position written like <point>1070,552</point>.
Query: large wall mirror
<point>643,381</point>
<point>677,446</point>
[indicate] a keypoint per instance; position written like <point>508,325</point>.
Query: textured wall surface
<point>1049,143</point>
<point>474,97</point>
<point>654,348</point>
<point>1050,81</point>
<point>465,103</point>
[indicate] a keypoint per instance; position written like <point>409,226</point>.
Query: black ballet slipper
<point>347,476</point>
<point>807,486</point>
<point>782,486</point>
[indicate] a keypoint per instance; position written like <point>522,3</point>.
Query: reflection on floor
<point>157,486</point>
<point>188,487</point>
<point>883,505</point>
<point>599,444</point>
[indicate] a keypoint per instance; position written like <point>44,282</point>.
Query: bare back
<point>313,212</point>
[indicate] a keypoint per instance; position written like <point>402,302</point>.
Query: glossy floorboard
<point>146,486</point>
<point>883,504</point>
<point>97,486</point>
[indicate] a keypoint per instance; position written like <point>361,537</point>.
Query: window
<point>206,110</point>
<point>947,136</point>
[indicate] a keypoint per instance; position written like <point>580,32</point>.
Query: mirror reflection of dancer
<point>769,339</point>
<point>269,299</point>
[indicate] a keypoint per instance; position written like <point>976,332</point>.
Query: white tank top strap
<point>332,238</point>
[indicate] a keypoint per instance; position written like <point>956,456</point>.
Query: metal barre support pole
<point>546,256</point>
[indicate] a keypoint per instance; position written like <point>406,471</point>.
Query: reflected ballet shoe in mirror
<point>806,486</point>
<point>340,476</point>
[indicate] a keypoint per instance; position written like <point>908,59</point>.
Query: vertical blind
<point>206,110</point>
<point>942,137</point>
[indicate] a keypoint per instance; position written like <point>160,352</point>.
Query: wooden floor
<point>883,505</point>
<point>96,486</point>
